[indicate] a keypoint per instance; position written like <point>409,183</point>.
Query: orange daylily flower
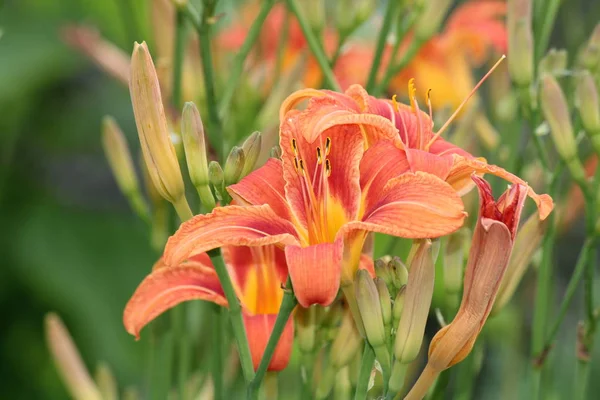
<point>341,176</point>
<point>257,274</point>
<point>446,60</point>
<point>422,149</point>
<point>491,248</point>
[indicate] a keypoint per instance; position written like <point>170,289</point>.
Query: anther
<point>327,167</point>
<point>319,157</point>
<point>302,165</point>
<point>294,147</point>
<point>327,146</point>
<point>296,163</point>
<point>395,104</point>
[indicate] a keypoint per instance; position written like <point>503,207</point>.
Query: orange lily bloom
<point>340,177</point>
<point>257,274</point>
<point>446,60</point>
<point>422,149</point>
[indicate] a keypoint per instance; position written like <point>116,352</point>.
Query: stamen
<point>412,94</point>
<point>294,147</point>
<point>319,158</point>
<point>453,116</point>
<point>327,167</point>
<point>395,104</point>
<point>302,166</point>
<point>327,146</point>
<point>430,108</point>
<point>296,163</point>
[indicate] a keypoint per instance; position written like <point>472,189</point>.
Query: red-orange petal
<point>315,272</point>
<point>424,161</point>
<point>462,166</point>
<point>231,225</point>
<point>258,331</point>
<point>165,288</point>
<point>263,186</point>
<point>417,205</point>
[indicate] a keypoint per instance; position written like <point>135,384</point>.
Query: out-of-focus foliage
<point>70,242</point>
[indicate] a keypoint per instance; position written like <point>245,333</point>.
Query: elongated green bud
<point>589,58</point>
<point>586,101</point>
<point>554,62</point>
<point>385,302</point>
<point>234,165</point>
<point>431,18</point>
<point>400,270</point>
<point>520,42</point>
<point>106,382</point>
<point>216,177</point>
<point>398,306</point>
<point>251,147</point>
<point>192,132</point>
<point>367,298</point>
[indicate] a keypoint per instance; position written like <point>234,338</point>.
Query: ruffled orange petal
<point>417,205</point>
<point>263,186</point>
<point>424,161</point>
<point>315,272</point>
<point>462,166</point>
<point>258,331</point>
<point>231,225</point>
<point>165,288</point>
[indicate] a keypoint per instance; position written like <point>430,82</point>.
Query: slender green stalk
<point>179,51</point>
<point>407,57</point>
<point>288,304</point>
<point>582,375</point>
<point>314,45</point>
<point>544,29</point>
<point>390,13</point>
<point>578,272</point>
<point>234,75</point>
<point>366,366</point>
<point>217,361</point>
<point>235,316</point>
<point>184,360</point>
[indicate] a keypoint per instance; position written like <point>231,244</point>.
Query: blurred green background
<point>69,242</point>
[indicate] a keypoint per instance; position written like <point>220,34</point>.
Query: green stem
<point>407,57</point>
<point>544,30</point>
<point>235,316</point>
<point>234,75</point>
<point>217,372</point>
<point>288,304</point>
<point>582,375</point>
<point>314,45</point>
<point>182,207</point>
<point>390,12</point>
<point>366,366</point>
<point>177,324</point>
<point>580,267</point>
<point>179,51</point>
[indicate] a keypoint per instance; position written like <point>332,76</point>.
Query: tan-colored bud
<point>367,298</point>
<point>251,147</point>
<point>586,101</point>
<point>520,42</point>
<point>68,361</point>
<point>157,148</point>
<point>554,62</point>
<point>431,18</point>
<point>121,164</point>
<point>417,300</point>
<point>234,165</point>
<point>192,133</point>
<point>556,111</point>
<point>106,382</point>
<point>589,58</point>
<point>527,243</point>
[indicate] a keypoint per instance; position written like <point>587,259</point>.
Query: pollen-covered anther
<point>327,146</point>
<point>301,166</point>
<point>294,147</point>
<point>319,156</point>
<point>395,103</point>
<point>327,167</point>
<point>296,163</point>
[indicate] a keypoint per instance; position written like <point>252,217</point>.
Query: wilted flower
<point>490,252</point>
<point>257,274</point>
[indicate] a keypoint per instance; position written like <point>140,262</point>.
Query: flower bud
<point>586,101</point>
<point>314,10</point>
<point>119,159</point>
<point>305,319</point>
<point>526,244</point>
<point>343,387</point>
<point>234,165</point>
<point>385,302</point>
<point>520,42</point>
<point>153,130</point>
<point>346,343</point>
<point>350,14</point>
<point>431,18</point>
<point>251,147</point>
<point>275,152</point>
<point>419,292</point>
<point>556,112</point>
<point>106,382</point>
<point>68,360</point>
<point>589,58</point>
<point>454,261</point>
<point>215,175</point>
<point>192,133</point>
<point>554,62</point>
<point>398,306</point>
<point>401,272</point>
<point>367,298</point>
<point>383,272</point>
